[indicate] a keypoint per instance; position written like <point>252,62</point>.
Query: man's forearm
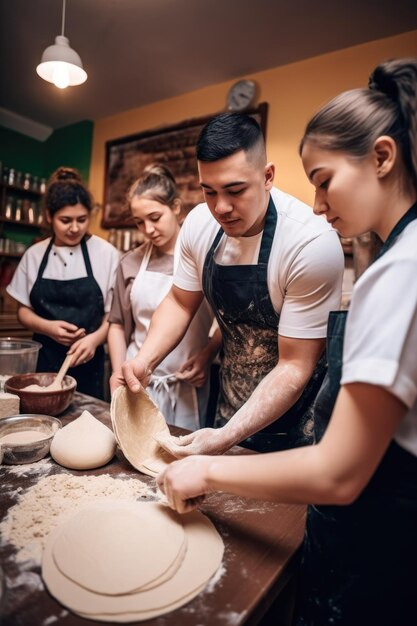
<point>168,326</point>
<point>274,395</point>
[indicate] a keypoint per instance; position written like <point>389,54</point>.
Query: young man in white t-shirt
<point>271,271</point>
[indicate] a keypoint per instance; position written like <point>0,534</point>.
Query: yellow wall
<point>293,93</point>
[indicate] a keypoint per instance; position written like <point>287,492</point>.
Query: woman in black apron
<point>74,307</point>
<point>360,551</point>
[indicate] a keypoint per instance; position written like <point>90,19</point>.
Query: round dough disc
<point>202,559</point>
<point>109,548</point>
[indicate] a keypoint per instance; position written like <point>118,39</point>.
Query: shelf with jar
<point>21,216</point>
<point>125,239</point>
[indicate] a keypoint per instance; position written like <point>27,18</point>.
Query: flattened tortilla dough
<point>109,548</point>
<point>85,443</point>
<point>136,419</point>
<point>202,560</point>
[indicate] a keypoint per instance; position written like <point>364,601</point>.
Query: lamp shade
<point>61,65</point>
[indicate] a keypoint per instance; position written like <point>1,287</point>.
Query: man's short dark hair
<point>226,134</point>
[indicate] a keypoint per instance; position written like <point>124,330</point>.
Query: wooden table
<point>261,541</point>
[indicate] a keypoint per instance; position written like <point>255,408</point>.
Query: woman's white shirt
<point>66,263</point>
<point>381,333</point>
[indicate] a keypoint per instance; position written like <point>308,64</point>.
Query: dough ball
<point>85,443</point>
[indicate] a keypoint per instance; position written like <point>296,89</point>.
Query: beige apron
<point>177,400</point>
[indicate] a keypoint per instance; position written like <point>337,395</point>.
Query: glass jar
<point>19,179</point>
<point>18,211</point>
<point>8,209</point>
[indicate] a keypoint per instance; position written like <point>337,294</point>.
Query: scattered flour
<point>215,579</point>
<point>40,508</point>
<point>232,617</point>
<point>40,467</point>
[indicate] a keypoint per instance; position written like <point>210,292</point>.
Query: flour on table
<point>54,498</point>
<point>43,466</point>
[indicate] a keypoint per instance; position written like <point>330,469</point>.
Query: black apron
<point>239,297</point>
<point>78,301</point>
<point>359,561</point>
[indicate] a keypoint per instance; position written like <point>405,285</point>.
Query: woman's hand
<point>195,371</point>
<point>63,332</point>
<point>185,483</point>
<point>83,350</point>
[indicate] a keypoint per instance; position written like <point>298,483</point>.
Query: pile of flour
<point>42,507</point>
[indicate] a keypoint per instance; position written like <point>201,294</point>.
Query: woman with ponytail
<point>180,384</point>
<point>64,285</point>
<point>359,556</point>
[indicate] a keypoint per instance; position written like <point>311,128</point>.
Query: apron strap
<point>398,228</point>
<point>86,257</point>
<point>44,259</point>
<point>267,235</point>
<point>269,232</point>
<point>166,384</point>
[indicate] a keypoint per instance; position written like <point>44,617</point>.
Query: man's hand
<point>134,373</point>
<point>204,441</point>
<point>185,483</point>
<point>64,333</point>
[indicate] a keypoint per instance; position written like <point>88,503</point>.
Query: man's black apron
<point>239,297</point>
<point>359,561</point>
<point>78,301</point>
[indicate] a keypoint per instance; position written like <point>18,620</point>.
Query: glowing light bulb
<point>60,76</point>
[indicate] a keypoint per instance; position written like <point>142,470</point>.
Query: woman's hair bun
<point>384,81</point>
<point>159,170</point>
<point>65,174</point>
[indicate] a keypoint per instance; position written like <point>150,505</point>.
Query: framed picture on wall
<point>174,146</point>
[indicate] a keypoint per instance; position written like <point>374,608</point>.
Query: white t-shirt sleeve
<point>187,275</point>
<point>381,332</point>
<point>196,235</point>
<point>312,288</point>
<point>21,284</point>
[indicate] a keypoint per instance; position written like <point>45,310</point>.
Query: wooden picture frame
<point>174,146</point>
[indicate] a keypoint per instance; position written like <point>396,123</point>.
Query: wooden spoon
<point>56,385</point>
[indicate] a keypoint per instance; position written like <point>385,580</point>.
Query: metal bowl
<point>48,403</point>
<point>19,453</point>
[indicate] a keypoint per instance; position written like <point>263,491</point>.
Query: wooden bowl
<point>46,403</point>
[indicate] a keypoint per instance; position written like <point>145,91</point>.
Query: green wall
<point>21,152</point>
<point>70,146</point>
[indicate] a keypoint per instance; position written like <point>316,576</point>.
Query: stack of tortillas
<point>121,561</point>
<point>136,420</point>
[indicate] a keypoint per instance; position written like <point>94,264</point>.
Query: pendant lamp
<point>60,64</point>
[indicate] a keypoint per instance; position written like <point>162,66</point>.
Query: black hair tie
<point>385,83</point>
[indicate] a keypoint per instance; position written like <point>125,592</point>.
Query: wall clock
<point>241,95</point>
